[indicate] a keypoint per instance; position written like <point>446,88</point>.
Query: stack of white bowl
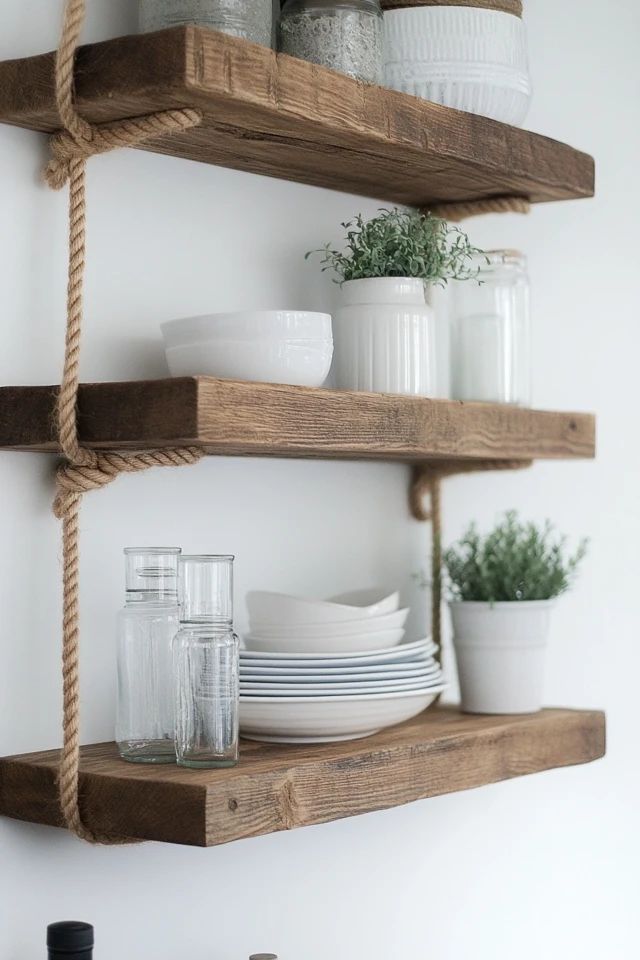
<point>464,57</point>
<point>316,671</point>
<point>270,346</point>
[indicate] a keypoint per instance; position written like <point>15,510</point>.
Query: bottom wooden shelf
<point>279,787</point>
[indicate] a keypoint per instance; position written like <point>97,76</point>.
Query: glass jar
<point>491,332</point>
<point>249,19</point>
<point>343,35</point>
<point>206,665</point>
<point>146,628</point>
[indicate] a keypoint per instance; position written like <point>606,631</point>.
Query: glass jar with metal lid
<point>343,35</point>
<point>491,332</point>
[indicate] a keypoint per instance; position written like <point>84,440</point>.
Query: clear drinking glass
<point>206,664</point>
<point>249,19</point>
<point>146,628</point>
<point>491,332</point>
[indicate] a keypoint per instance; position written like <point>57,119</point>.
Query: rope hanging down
<point>85,469</point>
<point>427,479</point>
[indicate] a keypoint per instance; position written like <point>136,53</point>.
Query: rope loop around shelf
<point>455,212</point>
<point>85,469</point>
<point>427,482</point>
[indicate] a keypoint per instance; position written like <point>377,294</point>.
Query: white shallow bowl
<point>279,608</point>
<point>402,653</point>
<point>327,719</point>
<point>296,363</point>
<point>251,325</point>
<point>323,644</point>
<point>471,59</point>
<point>344,628</point>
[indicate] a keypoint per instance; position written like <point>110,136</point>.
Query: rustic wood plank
<point>237,418</point>
<point>275,115</point>
<point>503,6</point>
<point>280,787</point>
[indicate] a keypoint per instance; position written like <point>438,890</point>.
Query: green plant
<point>516,561</point>
<point>402,244</point>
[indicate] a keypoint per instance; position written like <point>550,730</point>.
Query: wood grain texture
<point>275,115</point>
<point>503,6</point>
<point>280,787</point>
<point>237,418</point>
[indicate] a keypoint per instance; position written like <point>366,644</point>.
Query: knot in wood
<point>67,147</point>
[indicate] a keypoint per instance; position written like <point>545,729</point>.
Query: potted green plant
<point>384,330</point>
<point>503,587</point>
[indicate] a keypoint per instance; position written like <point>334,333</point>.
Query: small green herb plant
<point>401,244</point>
<point>516,561</point>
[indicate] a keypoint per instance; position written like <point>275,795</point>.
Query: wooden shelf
<point>279,787</point>
<point>275,115</point>
<point>239,418</point>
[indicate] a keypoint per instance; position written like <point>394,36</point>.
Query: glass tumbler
<point>491,332</point>
<point>146,627</point>
<point>206,658</point>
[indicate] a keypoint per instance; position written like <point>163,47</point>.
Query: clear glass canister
<point>147,625</point>
<point>343,35</point>
<point>206,658</point>
<point>249,19</point>
<point>491,332</point>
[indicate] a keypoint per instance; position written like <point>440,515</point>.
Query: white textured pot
<point>385,337</point>
<point>500,651</point>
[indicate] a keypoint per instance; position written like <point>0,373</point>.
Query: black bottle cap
<point>71,937</point>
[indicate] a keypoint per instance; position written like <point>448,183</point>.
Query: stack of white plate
<point>358,622</point>
<point>315,698</point>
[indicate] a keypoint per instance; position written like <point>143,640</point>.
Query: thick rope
<point>455,212</point>
<point>85,469</point>
<point>427,479</point>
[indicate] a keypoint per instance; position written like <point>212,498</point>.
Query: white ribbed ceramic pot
<point>500,652</point>
<point>385,337</point>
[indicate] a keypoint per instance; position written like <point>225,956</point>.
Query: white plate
<point>326,719</point>
<point>338,689</point>
<point>313,631</point>
<point>326,644</point>
<point>274,675</point>
<point>404,651</point>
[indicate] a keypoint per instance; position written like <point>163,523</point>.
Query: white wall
<point>544,866</point>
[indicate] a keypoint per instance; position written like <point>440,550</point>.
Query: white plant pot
<point>500,651</point>
<point>385,337</point>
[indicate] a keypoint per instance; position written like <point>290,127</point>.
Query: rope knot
<point>69,146</point>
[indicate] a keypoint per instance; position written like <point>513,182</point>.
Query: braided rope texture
<point>84,469</point>
<point>455,212</point>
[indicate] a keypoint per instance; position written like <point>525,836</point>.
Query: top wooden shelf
<point>275,115</point>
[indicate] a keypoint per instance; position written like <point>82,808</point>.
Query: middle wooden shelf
<point>238,418</point>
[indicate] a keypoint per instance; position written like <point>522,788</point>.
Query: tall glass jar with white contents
<point>146,627</point>
<point>248,19</point>
<point>206,658</point>
<point>491,332</point>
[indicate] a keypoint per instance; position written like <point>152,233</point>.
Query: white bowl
<point>329,675</point>
<point>471,59</point>
<point>345,628</point>
<point>275,608</point>
<point>251,689</point>
<point>323,644</point>
<point>248,325</point>
<point>301,364</point>
<point>326,719</point>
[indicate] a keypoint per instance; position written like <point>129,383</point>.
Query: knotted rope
<point>427,479</point>
<point>85,469</point>
<point>474,208</point>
